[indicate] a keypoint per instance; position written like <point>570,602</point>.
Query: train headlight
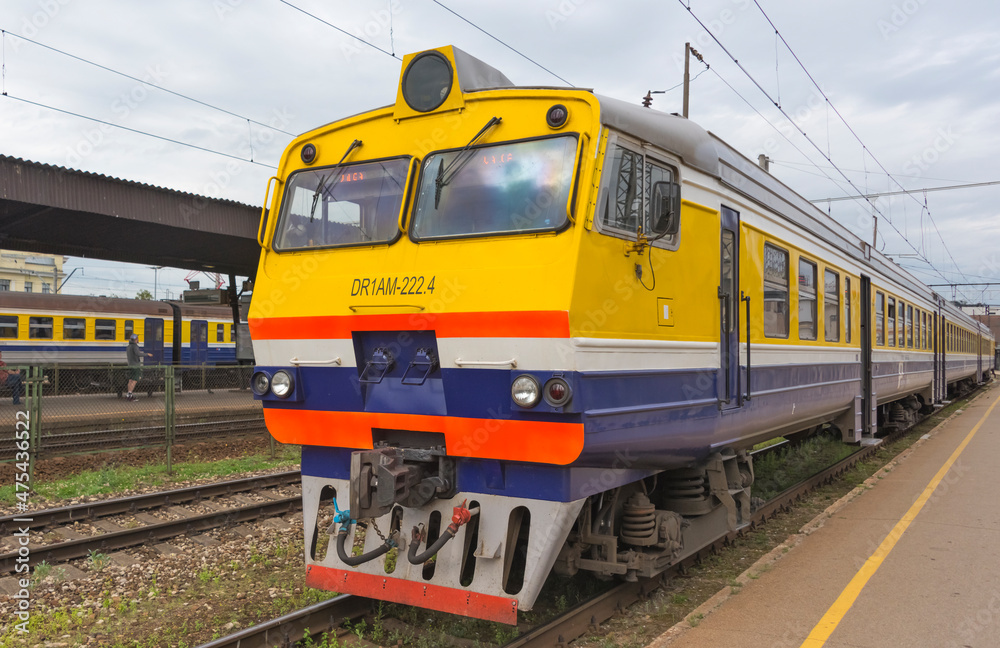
<point>427,81</point>
<point>557,392</point>
<point>557,116</point>
<point>282,384</point>
<point>308,153</point>
<point>525,391</point>
<point>261,383</point>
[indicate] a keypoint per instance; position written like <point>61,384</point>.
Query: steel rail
<point>144,501</point>
<point>72,549</point>
<point>288,629</point>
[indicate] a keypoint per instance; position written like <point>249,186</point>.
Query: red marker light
<point>557,392</point>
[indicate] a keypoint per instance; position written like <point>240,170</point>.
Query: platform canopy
<point>56,210</point>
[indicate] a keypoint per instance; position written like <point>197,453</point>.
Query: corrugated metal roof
<point>57,210</point>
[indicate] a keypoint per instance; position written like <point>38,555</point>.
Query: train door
<point>152,340</point>
<point>869,419</point>
<point>943,362</point>
<point>979,357</point>
<point>730,395</point>
<point>198,345</point>
<point>937,360</point>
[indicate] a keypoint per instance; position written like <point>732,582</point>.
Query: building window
<point>27,286</point>
<point>4,285</point>
<point>890,323</point>
<point>807,300</point>
<point>8,327</point>
<point>831,305</point>
<point>40,328</point>
<point>775,291</point>
<point>104,329</point>
<point>46,288</point>
<point>74,328</point>
<point>879,319</point>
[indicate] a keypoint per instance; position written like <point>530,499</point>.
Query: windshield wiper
<point>322,188</point>
<point>445,174</point>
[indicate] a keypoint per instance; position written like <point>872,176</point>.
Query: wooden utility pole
<point>687,76</point>
<point>688,51</point>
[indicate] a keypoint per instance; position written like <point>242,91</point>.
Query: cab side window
<point>623,199</point>
<point>642,194</point>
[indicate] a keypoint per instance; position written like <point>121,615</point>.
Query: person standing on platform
<point>11,378</point>
<point>134,356</point>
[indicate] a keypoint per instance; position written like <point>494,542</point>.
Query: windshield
<point>504,188</point>
<point>348,205</point>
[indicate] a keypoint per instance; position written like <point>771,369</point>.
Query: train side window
<point>74,328</point>
<point>775,291</point>
<point>879,319</point>
<point>220,332</point>
<point>901,318</point>
<point>40,328</point>
<point>909,326</point>
<point>8,326</point>
<point>128,328</point>
<point>890,323</point>
<point>232,332</point>
<point>831,305</point>
<point>104,329</point>
<point>623,199</point>
<point>847,310</point>
<point>807,300</point>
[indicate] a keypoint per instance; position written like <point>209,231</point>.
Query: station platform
<point>912,558</point>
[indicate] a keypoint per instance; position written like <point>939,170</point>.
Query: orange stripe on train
<point>536,324</point>
<point>505,439</point>
<point>426,595</point>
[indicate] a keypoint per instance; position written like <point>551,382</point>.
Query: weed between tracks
<point>117,475</point>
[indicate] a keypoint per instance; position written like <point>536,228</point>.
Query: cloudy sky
<point>917,82</point>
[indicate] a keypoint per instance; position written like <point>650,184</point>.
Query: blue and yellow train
<point>83,334</point>
<point>528,330</point>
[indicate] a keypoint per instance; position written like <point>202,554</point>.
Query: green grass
<point>778,471</point>
<point>111,480</point>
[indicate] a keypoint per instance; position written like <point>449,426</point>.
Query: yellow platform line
<point>822,631</point>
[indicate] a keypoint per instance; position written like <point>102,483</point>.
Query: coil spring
<point>638,520</point>
<point>687,487</point>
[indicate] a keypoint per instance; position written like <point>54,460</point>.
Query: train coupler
<point>410,477</point>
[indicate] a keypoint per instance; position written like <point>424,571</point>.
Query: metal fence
<point>71,409</point>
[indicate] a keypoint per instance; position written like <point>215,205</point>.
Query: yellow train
<point>537,329</point>
<point>84,334</point>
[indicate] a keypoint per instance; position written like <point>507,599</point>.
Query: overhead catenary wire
<point>799,129</point>
<point>146,83</point>
<point>342,31</point>
<point>522,55</point>
<point>137,131</point>
<point>830,106</point>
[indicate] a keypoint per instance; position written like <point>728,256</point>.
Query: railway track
<point>79,548</point>
<point>75,441</point>
<point>574,623</point>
